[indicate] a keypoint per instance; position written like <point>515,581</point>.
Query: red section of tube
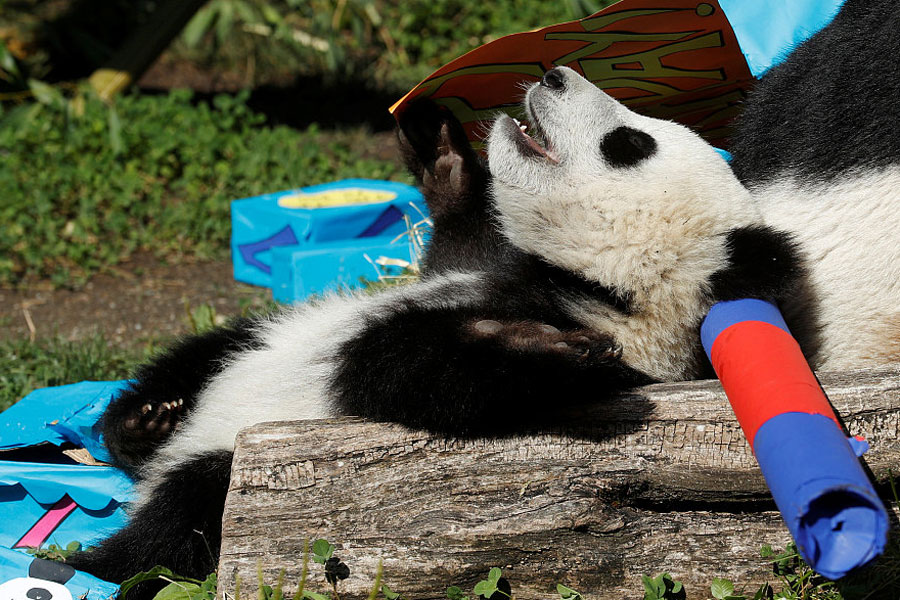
<point>765,374</point>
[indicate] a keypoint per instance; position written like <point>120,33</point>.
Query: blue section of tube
<point>824,496</point>
<point>768,30</point>
<point>725,314</point>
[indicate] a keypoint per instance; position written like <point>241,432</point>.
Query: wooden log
<point>660,479</point>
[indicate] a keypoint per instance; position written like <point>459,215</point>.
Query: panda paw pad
<point>157,420</point>
<point>532,336</point>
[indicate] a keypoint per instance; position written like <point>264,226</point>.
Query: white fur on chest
<point>850,234</point>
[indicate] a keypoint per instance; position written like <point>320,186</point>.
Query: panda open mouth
<point>529,146</point>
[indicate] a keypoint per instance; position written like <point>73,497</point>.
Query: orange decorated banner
<point>674,59</point>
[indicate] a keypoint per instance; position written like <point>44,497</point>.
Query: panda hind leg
<point>179,526</point>
<point>164,391</point>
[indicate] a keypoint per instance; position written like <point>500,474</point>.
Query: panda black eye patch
<point>626,147</point>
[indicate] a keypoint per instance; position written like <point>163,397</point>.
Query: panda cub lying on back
<point>569,270</point>
<point>616,239</point>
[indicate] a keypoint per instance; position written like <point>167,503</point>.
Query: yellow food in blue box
<point>363,212</point>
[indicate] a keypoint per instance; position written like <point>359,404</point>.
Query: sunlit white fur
<point>850,234</point>
<point>654,231</point>
<point>287,379</point>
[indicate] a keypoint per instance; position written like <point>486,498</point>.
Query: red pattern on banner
<point>674,59</point>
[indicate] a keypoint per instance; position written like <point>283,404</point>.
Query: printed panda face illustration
<point>44,582</point>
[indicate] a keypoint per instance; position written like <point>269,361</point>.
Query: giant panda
<point>577,263</point>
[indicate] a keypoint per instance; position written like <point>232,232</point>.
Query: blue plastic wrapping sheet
<point>55,415</point>
<point>352,211</point>
<point>335,267</point>
<point>767,30</point>
<point>57,503</point>
<point>42,504</point>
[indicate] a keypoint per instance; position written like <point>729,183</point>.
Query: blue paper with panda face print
<point>23,577</point>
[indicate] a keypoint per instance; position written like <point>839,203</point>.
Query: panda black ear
<point>626,147</point>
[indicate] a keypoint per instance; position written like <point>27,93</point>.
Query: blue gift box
<point>335,267</point>
<point>357,211</point>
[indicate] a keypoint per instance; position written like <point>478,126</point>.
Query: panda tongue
<point>549,154</point>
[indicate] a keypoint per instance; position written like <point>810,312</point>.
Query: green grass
<point>26,366</point>
<point>85,185</point>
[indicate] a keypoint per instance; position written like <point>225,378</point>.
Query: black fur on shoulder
<point>144,415</point>
<point>454,181</point>
<point>180,527</point>
<point>763,262</point>
<point>766,263</point>
<point>809,115</point>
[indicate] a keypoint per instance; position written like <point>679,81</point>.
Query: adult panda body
<point>818,145</point>
<point>577,265</point>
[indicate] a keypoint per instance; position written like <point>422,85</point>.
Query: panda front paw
<point>154,422</point>
<point>582,345</point>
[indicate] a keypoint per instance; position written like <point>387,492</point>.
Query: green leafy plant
<point>455,593</point>
<point>662,587</point>
<point>202,317</point>
<point>179,586</point>
<point>85,187</point>
<point>54,552</point>
<point>799,581</point>
<point>26,366</point>
<point>394,44</point>
<point>322,550</point>
<point>567,593</point>
<point>389,594</point>
<point>487,587</point>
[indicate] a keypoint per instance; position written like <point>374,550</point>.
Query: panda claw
<point>154,420</point>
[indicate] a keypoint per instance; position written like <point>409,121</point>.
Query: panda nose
<point>37,593</point>
<point>554,79</point>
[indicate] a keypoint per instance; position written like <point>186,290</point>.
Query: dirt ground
<point>141,300</point>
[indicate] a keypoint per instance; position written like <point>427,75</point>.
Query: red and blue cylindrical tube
<point>810,466</point>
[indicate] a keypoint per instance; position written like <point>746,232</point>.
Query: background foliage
<point>393,43</point>
<point>85,184</point>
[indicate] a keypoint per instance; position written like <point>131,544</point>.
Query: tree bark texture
<point>660,479</point>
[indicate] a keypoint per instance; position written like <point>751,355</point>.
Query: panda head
<point>634,203</point>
